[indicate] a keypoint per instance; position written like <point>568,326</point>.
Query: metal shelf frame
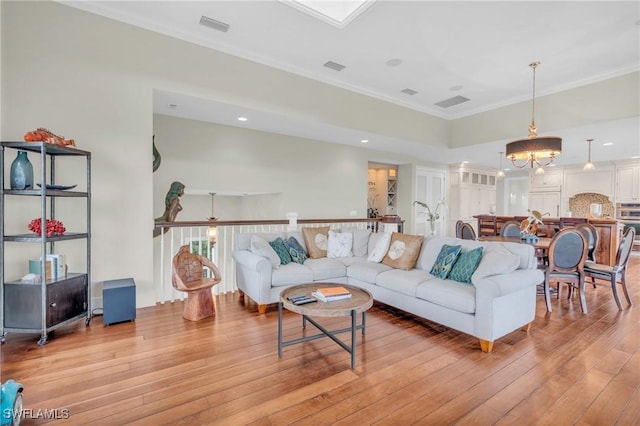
<point>48,153</point>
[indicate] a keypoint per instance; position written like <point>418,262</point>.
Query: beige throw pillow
<point>316,241</point>
<point>403,251</point>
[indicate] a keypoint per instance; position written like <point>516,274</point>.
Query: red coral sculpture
<point>44,135</point>
<point>54,227</point>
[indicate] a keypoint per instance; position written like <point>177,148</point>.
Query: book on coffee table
<point>328,294</point>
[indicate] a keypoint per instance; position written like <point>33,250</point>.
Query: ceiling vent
<point>452,101</point>
<point>215,24</point>
<point>409,92</point>
<point>334,66</point>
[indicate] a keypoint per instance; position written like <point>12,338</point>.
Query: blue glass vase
<point>21,176</point>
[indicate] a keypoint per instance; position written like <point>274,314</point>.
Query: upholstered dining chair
<point>459,228</point>
<point>467,232</point>
<point>567,253</point>
<point>511,228</point>
<point>591,234</point>
<point>187,275</point>
<point>617,273</point>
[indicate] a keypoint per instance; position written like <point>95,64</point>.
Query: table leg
<point>279,329</point>
<point>353,339</point>
<point>364,322</point>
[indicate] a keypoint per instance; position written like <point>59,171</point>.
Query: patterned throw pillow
<point>466,265</point>
<point>316,241</point>
<point>445,260</point>
<point>281,249</point>
<point>403,251</point>
<point>380,245</point>
<point>296,251</point>
<point>340,244</point>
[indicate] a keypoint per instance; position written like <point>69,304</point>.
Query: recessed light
<point>455,88</point>
<point>607,144</point>
<point>173,106</point>
<point>364,141</point>
<point>507,169</point>
<point>635,157</point>
<point>242,119</point>
<point>393,62</point>
<point>465,162</point>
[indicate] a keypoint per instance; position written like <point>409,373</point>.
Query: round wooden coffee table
<point>359,302</point>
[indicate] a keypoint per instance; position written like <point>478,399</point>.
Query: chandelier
<point>539,150</point>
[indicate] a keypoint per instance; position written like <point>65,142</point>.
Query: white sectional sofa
<point>501,297</point>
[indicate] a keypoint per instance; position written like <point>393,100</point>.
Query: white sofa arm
<point>253,275</point>
<point>505,302</point>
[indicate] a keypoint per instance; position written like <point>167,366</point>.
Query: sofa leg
<point>486,345</point>
<point>527,328</point>
<point>262,309</point>
<point>241,296</point>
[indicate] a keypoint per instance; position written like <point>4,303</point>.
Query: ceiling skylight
<point>337,13</point>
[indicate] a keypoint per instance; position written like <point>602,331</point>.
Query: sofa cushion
<point>450,294</point>
<point>292,273</point>
<point>360,240</point>
<point>378,246</point>
<point>432,245</point>
<point>261,247</point>
<point>340,244</point>
<point>366,271</point>
<point>466,264</point>
<point>296,250</point>
<point>243,240</point>
<point>325,268</point>
<point>445,260</point>
<point>496,260</point>
<point>405,282</point>
<point>403,251</point>
<point>315,240</point>
<point>281,250</point>
<point>348,261</point>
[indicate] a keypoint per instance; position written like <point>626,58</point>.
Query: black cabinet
<point>43,306</point>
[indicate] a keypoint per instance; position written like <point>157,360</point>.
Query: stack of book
<point>329,294</point>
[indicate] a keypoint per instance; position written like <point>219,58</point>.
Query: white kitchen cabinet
<point>599,181</point>
<point>545,202</point>
<point>551,180</point>
<point>472,192</point>
<point>628,183</point>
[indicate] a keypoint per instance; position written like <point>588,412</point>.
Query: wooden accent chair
<point>187,276</point>
<point>567,253</point>
<point>617,273</point>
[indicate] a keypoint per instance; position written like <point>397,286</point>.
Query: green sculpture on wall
<point>172,206</point>
<point>156,155</point>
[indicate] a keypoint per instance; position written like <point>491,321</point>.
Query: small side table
<point>360,301</point>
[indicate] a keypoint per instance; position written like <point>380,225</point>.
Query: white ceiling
<point>476,49</point>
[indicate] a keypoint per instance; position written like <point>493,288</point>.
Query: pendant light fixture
<point>534,149</point>
<point>500,174</point>
<point>212,232</point>
<point>589,166</point>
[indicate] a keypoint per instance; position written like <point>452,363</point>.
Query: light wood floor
<point>571,369</point>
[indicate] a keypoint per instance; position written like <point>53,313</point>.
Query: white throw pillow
<point>261,247</point>
<point>360,240</point>
<point>339,244</point>
<point>496,260</point>
<point>380,247</point>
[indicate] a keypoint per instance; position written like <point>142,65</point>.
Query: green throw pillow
<point>296,251</point>
<point>446,258</point>
<point>466,265</point>
<point>281,249</point>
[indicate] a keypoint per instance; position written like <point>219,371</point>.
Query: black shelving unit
<point>49,304</point>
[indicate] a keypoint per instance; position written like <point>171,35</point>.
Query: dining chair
<point>567,253</point>
<point>467,232</point>
<point>591,234</point>
<point>459,228</point>
<point>511,228</point>
<point>615,274</point>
